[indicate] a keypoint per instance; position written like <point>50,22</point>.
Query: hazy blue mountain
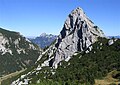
<point>43,40</point>
<point>114,37</point>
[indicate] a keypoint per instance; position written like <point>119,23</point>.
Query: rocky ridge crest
<point>77,34</point>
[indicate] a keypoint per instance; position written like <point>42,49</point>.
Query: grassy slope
<point>108,80</point>
<point>11,75</point>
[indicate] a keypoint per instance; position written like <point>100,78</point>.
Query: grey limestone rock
<point>110,42</point>
<point>77,34</point>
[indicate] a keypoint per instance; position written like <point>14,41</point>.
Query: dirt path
<point>108,79</point>
<point>10,75</point>
<point>105,82</point>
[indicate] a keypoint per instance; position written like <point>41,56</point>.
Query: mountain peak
<point>78,10</point>
<point>77,35</point>
<point>47,35</point>
<point>43,34</point>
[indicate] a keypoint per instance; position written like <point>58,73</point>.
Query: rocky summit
<point>77,35</point>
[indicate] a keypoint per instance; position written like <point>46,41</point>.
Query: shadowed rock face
<point>78,33</point>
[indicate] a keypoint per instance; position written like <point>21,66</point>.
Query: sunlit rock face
<point>78,33</point>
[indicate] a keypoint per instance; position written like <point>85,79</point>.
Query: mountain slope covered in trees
<point>83,68</point>
<point>16,52</point>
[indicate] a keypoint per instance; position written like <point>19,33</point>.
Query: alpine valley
<point>81,55</point>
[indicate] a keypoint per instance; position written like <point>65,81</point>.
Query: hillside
<point>16,52</point>
<point>80,55</point>
<point>83,68</point>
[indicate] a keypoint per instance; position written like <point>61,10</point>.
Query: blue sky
<point>33,17</point>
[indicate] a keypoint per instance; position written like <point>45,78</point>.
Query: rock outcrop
<point>78,33</point>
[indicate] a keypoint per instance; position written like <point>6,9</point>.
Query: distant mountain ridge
<point>43,40</point>
<point>114,37</point>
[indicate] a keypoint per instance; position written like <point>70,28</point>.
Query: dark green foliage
<point>112,84</point>
<point>11,63</point>
<point>51,82</point>
<point>83,68</point>
<point>96,64</point>
<point>7,33</point>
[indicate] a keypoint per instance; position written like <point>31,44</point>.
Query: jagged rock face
<point>78,34</point>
